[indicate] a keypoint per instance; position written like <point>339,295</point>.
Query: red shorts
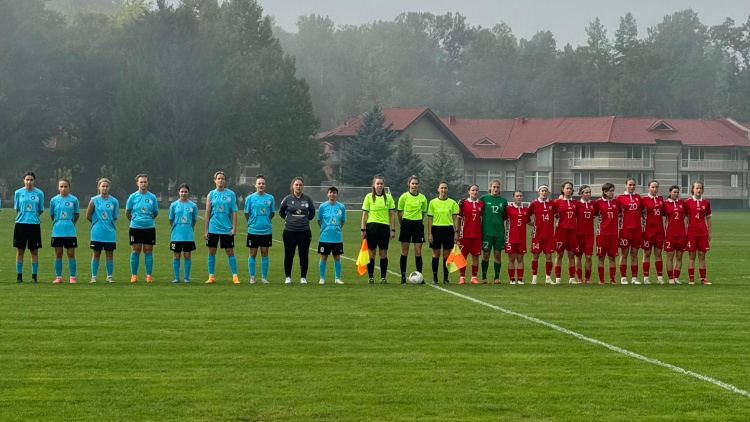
<point>630,238</point>
<point>675,244</point>
<point>566,240</point>
<point>519,248</point>
<point>470,246</point>
<point>699,243</point>
<point>606,244</point>
<point>585,244</point>
<point>653,239</point>
<point>542,245</point>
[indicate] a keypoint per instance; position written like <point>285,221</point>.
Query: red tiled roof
<point>398,118</point>
<point>471,131</point>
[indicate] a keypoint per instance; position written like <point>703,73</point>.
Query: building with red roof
<point>524,153</point>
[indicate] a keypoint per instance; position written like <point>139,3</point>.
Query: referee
<point>442,226</point>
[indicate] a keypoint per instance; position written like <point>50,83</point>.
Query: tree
<point>367,154</point>
<point>402,166</point>
<point>600,53</point>
<point>443,169</point>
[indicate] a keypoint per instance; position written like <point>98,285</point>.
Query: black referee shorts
<point>378,235</point>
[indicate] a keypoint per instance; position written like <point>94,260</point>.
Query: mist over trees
<point>678,68</point>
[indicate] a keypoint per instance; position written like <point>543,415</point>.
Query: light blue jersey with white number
<point>142,207</point>
<point>331,216</point>
<point>29,205</point>
<point>259,208</point>
<point>63,210</point>
<point>223,204</point>
<point>183,216</point>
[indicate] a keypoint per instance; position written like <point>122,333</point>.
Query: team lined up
<point>483,225</point>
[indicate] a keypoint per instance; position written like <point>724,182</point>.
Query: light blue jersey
<point>142,206</point>
<point>63,210</point>
<point>29,205</point>
<point>223,204</point>
<point>259,208</point>
<point>183,216</point>
<point>106,212</point>
<point>331,216</point>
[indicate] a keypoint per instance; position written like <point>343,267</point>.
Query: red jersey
<point>516,219</point>
<point>586,213</point>
<point>653,208</point>
<point>544,222</point>
<point>697,211</point>
<point>609,216</point>
<point>470,213</point>
<point>566,213</point>
<point>674,211</point>
<point>631,210</point>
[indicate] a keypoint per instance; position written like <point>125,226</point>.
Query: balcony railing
<point>605,163</point>
<point>723,192</point>
<point>716,165</point>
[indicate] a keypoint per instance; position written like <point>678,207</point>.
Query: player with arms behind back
<point>141,209</point>
<point>102,212</point>
<point>220,226</point>
<point>29,205</point>
<point>517,217</point>
<point>542,212</point>
<point>607,241</point>
<point>566,238</point>
<point>653,231</point>
<point>412,206</point>
<point>470,236</point>
<point>676,237</point>
<point>585,231</point>
<point>698,211</point>
<point>183,213</point>
<point>331,219</point>
<point>64,211</point>
<point>493,229</point>
<point>259,211</point>
<point>630,231</point>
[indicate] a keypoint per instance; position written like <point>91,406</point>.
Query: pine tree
<point>443,168</point>
<point>367,154</point>
<point>404,164</point>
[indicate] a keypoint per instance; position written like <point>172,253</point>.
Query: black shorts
<point>182,246</point>
<point>442,237</point>
<point>106,246</point>
<point>378,236</point>
<point>255,241</point>
<point>65,242</point>
<point>327,248</point>
<point>227,241</point>
<point>412,231</point>
<point>27,235</point>
<point>142,236</point>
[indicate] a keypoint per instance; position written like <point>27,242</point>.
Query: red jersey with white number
<point>653,209</point>
<point>544,221</point>
<point>674,211</point>
<point>609,216</point>
<point>566,213</point>
<point>630,203</point>
<point>516,217</point>
<point>697,211</point>
<point>471,217</point>
<point>585,213</point>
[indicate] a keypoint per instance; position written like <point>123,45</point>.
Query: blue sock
<point>322,269</point>
<point>337,268</point>
<point>110,267</point>
<point>211,264</point>
<point>251,265</point>
<point>58,267</point>
<point>73,266</point>
<point>34,268</point>
<point>148,259</point>
<point>19,267</point>
<point>233,264</point>
<point>264,266</point>
<point>135,261</point>
<point>188,264</point>
<point>94,267</point>
<point>176,267</point>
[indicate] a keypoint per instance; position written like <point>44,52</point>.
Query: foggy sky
<point>566,19</point>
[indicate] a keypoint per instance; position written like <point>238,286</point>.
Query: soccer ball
<point>416,277</point>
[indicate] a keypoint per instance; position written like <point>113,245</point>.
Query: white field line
<point>579,336</point>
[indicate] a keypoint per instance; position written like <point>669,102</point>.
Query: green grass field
<point>367,352</point>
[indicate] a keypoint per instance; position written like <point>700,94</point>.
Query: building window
<point>586,178</point>
<point>738,181</point>
<point>735,155</point>
<point>693,153</point>
<point>584,151</point>
<point>468,177</point>
<point>686,182</point>
<point>641,179</point>
<point>544,157</point>
<point>510,181</point>
<point>534,179</point>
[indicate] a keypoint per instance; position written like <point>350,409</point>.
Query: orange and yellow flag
<point>455,260</point>
<point>364,258</point>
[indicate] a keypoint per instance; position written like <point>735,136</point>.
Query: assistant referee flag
<point>363,258</point>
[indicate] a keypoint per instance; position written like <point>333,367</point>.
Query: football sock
<point>485,267</point>
<point>579,273</point>
<point>558,270</point>
<point>251,265</point>
<point>659,267</point>
<point>496,266</point>
<point>135,259</point>
<point>572,272</point>
<point>337,268</point>
<point>188,265</point>
<point>402,265</point>
<point>371,268</point>
<point>634,270</point>
<point>232,264</point>
<point>322,269</point>
<point>211,264</point>
<point>34,268</point>
<point>646,268</point>
<point>176,267</point>
<point>445,269</point>
<point>691,273</point>
<point>548,267</point>
<point>519,273</point>
<point>670,274</point>
<point>512,273</point>
<point>623,270</point>
<point>435,263</point>
<point>383,267</point>
<point>148,261</point>
<point>588,274</point>
<point>611,273</point>
<point>677,272</point>
<point>702,272</point>
<point>58,267</point>
<point>534,267</point>
<point>418,263</point>
<point>19,267</point>
<point>475,266</point>
<point>109,265</point>
<point>94,267</point>
<point>73,267</point>
<point>264,266</point>
<point>462,271</point>
<point>601,273</point>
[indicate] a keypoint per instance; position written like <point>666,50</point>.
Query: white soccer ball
<point>416,277</point>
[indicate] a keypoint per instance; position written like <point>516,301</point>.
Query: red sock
<point>558,270</point>
<point>572,272</point>
<point>659,268</point>
<point>670,274</point>
<point>519,273</point>
<point>534,267</point>
<point>474,268</point>
<point>579,273</point>
<point>601,273</point>
<point>691,273</point>
<point>511,273</point>
<point>588,274</point>
<point>623,270</point>
<point>677,272</point>
<point>702,272</point>
<point>462,271</point>
<point>612,272</point>
<point>646,268</point>
<point>634,270</point>
<point>548,267</point>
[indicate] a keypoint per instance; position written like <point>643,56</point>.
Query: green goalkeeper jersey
<point>492,216</point>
